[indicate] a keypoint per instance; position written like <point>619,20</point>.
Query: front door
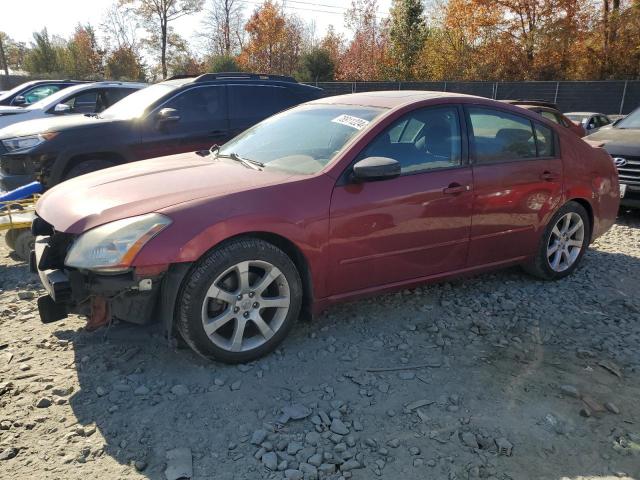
<point>203,122</point>
<point>517,176</point>
<point>411,226</point>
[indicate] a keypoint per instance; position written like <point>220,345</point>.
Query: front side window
<point>550,116</point>
<point>500,136</point>
<point>304,139</point>
<point>200,105</point>
<point>84,102</point>
<point>424,139</point>
<point>138,103</point>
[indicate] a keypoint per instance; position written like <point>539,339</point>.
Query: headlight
<point>25,143</point>
<point>113,246</point>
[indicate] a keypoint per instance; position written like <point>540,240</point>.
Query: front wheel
<point>88,166</point>
<point>563,243</point>
<point>240,301</point>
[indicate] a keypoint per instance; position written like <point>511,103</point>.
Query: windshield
<point>15,90</point>
<point>301,140</point>
<point>134,105</point>
<point>630,121</point>
<point>576,118</point>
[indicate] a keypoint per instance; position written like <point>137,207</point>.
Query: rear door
<point>203,123</point>
<point>251,103</point>
<point>517,173</point>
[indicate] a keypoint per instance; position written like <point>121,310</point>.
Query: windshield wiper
<point>247,162</point>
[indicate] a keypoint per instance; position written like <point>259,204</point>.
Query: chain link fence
<point>609,97</point>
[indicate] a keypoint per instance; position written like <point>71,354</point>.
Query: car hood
<point>619,140</point>
<point>142,187</point>
<point>56,123</point>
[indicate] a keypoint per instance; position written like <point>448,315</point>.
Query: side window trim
<point>472,153</point>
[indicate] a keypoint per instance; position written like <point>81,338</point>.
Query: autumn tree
<point>407,34</point>
<point>12,54</point>
<point>156,16</point>
<point>365,53</point>
<point>82,57</point>
<point>124,64</point>
<point>334,44</point>
<point>274,41</point>
<point>223,27</point>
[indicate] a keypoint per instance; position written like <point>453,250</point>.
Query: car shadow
<point>499,346</point>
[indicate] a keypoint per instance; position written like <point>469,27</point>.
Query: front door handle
<point>548,176</point>
<point>455,189</point>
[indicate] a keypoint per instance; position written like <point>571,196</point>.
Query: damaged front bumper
<point>132,296</point>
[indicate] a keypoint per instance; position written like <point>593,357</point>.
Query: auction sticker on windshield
<point>353,122</point>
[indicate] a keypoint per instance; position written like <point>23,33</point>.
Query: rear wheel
<point>240,301</point>
<point>10,237</point>
<point>563,243</point>
<point>88,166</point>
<point>24,243</point>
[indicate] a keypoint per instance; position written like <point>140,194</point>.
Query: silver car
<point>591,121</point>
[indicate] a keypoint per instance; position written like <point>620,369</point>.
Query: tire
<point>88,166</point>
<point>545,264</point>
<point>10,237</point>
<point>24,243</point>
<point>218,301</point>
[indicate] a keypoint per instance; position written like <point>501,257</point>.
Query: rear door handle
<point>548,176</point>
<point>455,189</point>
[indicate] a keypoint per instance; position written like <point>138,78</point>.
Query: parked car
<point>590,121</point>
<point>332,200</point>
<point>549,111</point>
<point>34,91</point>
<point>83,98</point>
<point>622,141</point>
<point>175,116</point>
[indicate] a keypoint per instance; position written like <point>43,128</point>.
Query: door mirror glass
<point>167,116</point>
<point>376,168</point>
<point>62,108</point>
<point>19,100</point>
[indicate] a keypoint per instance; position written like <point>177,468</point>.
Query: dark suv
<point>32,92</point>
<point>179,115</point>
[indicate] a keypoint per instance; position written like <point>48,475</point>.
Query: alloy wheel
<point>246,305</point>
<point>565,242</point>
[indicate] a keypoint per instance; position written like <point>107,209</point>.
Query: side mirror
<point>376,168</point>
<point>61,108</point>
<point>167,116</point>
<point>19,100</point>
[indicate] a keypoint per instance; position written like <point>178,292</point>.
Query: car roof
<point>231,77</point>
<point>391,98</point>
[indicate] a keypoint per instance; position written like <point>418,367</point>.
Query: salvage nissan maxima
<point>332,200</point>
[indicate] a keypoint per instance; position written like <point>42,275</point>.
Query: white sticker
<point>353,122</point>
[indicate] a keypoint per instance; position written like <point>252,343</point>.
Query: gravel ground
<point>497,376</point>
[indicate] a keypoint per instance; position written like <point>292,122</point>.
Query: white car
<point>83,98</point>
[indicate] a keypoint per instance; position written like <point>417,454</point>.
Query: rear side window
<point>249,104</point>
<point>499,136</point>
<point>544,141</point>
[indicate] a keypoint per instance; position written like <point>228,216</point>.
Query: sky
<point>19,19</point>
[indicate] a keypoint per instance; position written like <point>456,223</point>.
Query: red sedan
<point>329,201</point>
